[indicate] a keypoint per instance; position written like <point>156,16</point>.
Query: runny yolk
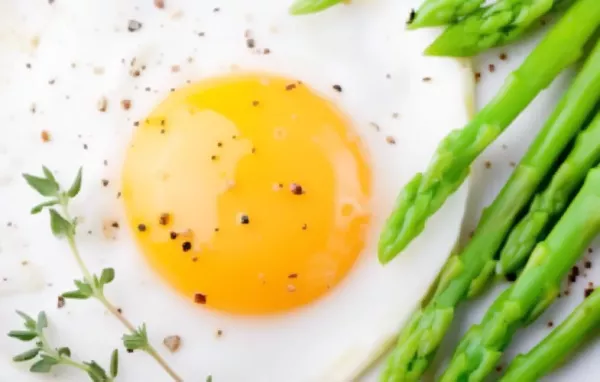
<point>249,194</point>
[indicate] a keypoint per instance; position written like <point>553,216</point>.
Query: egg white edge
<point>359,361</point>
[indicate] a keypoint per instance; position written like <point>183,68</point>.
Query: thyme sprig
<point>64,226</point>
<point>46,356</point>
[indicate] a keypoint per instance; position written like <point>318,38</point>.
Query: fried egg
<point>249,192</point>
<point>238,166</point>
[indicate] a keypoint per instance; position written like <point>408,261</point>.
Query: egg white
<point>86,49</point>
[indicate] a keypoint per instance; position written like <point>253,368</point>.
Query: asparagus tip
<point>439,50</point>
<point>414,24</point>
<point>384,255</point>
<point>417,20</point>
<point>298,9</point>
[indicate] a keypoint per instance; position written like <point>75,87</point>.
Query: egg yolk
<point>249,194</point>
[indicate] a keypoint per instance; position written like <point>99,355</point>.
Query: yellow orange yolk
<point>249,194</point>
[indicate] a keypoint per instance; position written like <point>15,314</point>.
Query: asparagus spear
<point>467,273</point>
<point>553,349</point>
<point>441,12</point>
<point>535,289</point>
<point>303,7</point>
<point>426,192</point>
<point>498,24</point>
<point>553,200</point>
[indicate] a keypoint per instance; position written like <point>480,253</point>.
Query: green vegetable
<point>303,7</point>
<point>441,12</point>
<point>467,273</point>
<point>498,24</point>
<point>552,201</point>
<point>535,289</point>
<point>540,360</point>
<point>46,357</point>
<point>91,285</point>
<point>426,192</point>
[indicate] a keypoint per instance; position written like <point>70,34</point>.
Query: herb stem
<point>71,239</point>
<point>149,348</point>
<point>99,295</point>
<point>70,362</point>
<point>86,273</point>
<point>115,312</point>
<point>154,354</point>
<point>46,346</point>
<point>60,358</point>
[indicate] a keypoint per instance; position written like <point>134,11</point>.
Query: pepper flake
<point>200,298</point>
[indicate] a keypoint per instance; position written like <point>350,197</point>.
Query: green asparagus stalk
<point>498,24</point>
<point>535,289</point>
<point>467,273</point>
<point>303,7</point>
<point>540,360</point>
<point>551,202</point>
<point>441,12</point>
<point>426,192</point>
